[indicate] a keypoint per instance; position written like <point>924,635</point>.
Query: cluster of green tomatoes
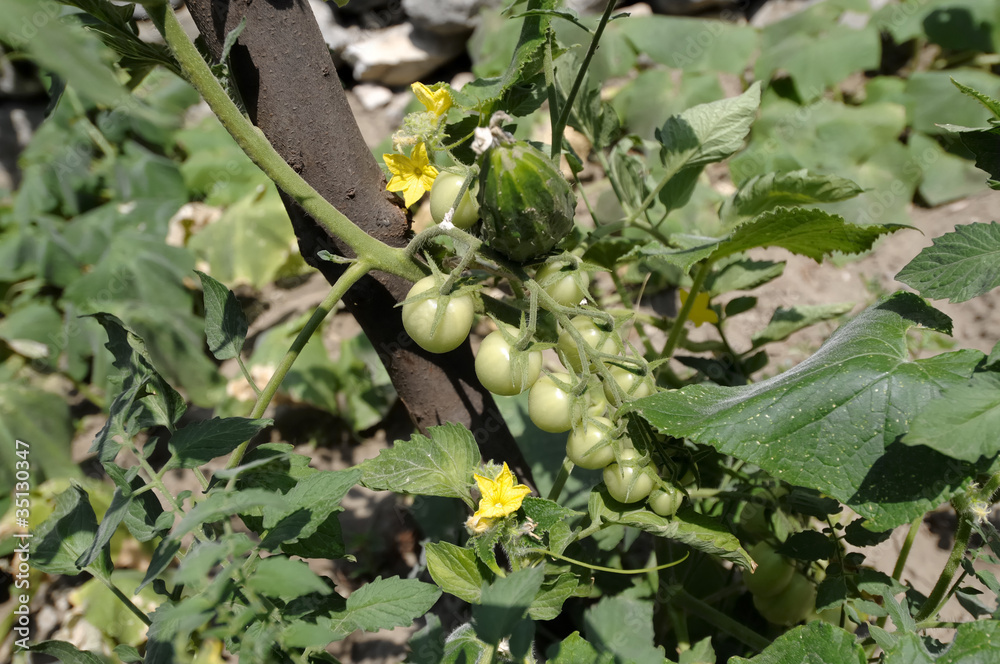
<point>509,362</point>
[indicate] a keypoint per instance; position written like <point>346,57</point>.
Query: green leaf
<point>456,569</point>
<point>200,442</point>
<point>463,647</point>
<point>742,274</point>
<point>504,602</point>
<point>225,323</point>
<point>427,645</point>
<point>548,603</point>
<point>986,146</point>
<point>546,513</point>
<point>960,265</point>
<point>308,525</point>
<point>384,604</point>
<point>963,422</point>
<point>64,47</point>
<point>146,399</point>
<point>989,102</point>
<point>766,192</point>
<point>485,548</point>
<point>65,652</point>
<point>41,420</point>
<point>692,44</point>
<point>932,101</point>
<point>285,579</point>
<point>817,56</point>
<point>441,465</point>
<point>700,653</point>
<point>831,422</point>
<point>784,321</point>
<point>481,94</point>
<point>700,532</point>
<point>65,536</point>
<point>109,525</point>
<point>972,644</point>
<point>222,504</point>
<point>574,649</point>
<point>623,626</point>
<point>710,132</point>
<point>805,232</point>
<point>815,642</point>
<point>946,177</point>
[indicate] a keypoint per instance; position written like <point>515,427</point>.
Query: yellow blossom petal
<point>437,103</point>
<point>700,311</point>
<point>411,175</point>
<point>501,496</point>
<point>478,524</point>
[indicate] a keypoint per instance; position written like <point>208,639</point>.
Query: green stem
<point>346,280</point>
<point>558,129</point>
<point>904,551</point>
<point>682,315</point>
<point>380,255</point>
<point>713,616</point>
<point>123,598</point>
<point>612,570</point>
<point>561,478</point>
<point>938,595</point>
<point>246,374</point>
<point>651,196</point>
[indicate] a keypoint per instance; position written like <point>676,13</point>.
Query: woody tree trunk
<point>284,73</point>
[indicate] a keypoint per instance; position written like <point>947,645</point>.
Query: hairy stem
<point>682,315</point>
<point>939,594</point>
<point>353,273</point>
<point>737,630</point>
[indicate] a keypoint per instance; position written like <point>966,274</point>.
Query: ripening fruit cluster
<point>556,403</point>
<point>782,594</point>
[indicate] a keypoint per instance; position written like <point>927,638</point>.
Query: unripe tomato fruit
<point>772,574</point>
<point>504,370</point>
<point>565,290</point>
<point>443,193</point>
<point>666,500</point>
<point>631,385</point>
<point>626,483</point>
<point>455,324</point>
<point>796,601</point>
<point>604,342</point>
<point>589,446</point>
<point>552,409</point>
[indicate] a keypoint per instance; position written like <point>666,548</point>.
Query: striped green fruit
<point>525,203</point>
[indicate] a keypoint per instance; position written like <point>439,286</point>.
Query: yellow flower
<point>478,524</point>
<point>501,496</point>
<point>411,175</point>
<point>700,311</point>
<point>437,103</point>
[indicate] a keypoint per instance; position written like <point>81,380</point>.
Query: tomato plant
<point>645,216</point>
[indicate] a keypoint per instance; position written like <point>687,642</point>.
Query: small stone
<point>447,17</point>
<point>400,55</point>
<point>371,96</point>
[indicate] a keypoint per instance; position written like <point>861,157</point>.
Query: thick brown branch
<point>285,75</point>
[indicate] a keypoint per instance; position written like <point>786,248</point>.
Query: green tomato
<point>627,483</point>
<point>796,601</point>
<point>452,329</point>
<point>666,500</point>
<point>504,370</point>
<point>604,342</point>
<point>772,574</point>
<point>631,385</point>
<point>589,445</point>
<point>552,408</point>
<point>443,194</point>
<point>563,289</point>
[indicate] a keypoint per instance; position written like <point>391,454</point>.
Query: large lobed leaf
<point>963,423</point>
<point>959,265</point>
<point>808,644</point>
<point>441,465</point>
<point>832,422</point>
